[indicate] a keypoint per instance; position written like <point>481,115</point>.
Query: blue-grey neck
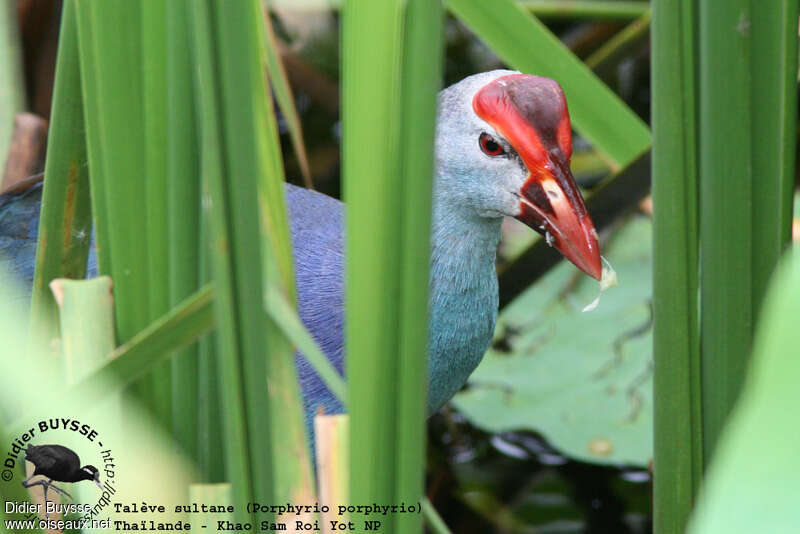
<point>463,294</point>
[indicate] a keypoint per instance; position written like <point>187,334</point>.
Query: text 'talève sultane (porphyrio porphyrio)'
<point>503,145</point>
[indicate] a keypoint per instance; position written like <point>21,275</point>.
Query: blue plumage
<point>474,188</point>
<point>464,306</point>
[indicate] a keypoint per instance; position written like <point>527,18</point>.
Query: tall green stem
<point>678,429</point>
<point>726,196</point>
<point>422,66</point>
<point>371,47</point>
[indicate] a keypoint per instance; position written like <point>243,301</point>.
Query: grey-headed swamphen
<point>503,145</point>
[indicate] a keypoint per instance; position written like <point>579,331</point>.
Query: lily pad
<point>582,380</point>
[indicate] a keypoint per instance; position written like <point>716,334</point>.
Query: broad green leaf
<point>562,377</point>
<point>754,478</point>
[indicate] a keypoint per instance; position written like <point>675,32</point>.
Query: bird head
<point>504,144</point>
<point>90,472</point>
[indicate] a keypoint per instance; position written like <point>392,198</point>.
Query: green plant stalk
<point>422,73</point>
<point>279,82</point>
<point>371,51</point>
<point>65,224</point>
<point>12,90</point>
<point>182,196</point>
<point>726,193</point>
<point>154,78</point>
<point>582,9</point>
<point>295,478</point>
<point>276,247</point>
<point>91,103</point>
<point>556,9</point>
<point>236,449</point>
<point>526,44</point>
<point>774,122</point>
<point>210,454</point>
<point>116,120</point>
<point>282,468</point>
<point>678,439</point>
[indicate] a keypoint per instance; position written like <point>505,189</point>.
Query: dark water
<point>515,483</point>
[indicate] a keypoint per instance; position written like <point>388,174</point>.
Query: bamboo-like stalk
<point>678,425</point>
<point>371,48</point>
<point>183,214</point>
<point>160,340</point>
<point>65,221</point>
<point>421,79</point>
<point>86,308</point>
<point>332,454</point>
<point>726,193</point>
<point>86,316</point>
<point>154,81</point>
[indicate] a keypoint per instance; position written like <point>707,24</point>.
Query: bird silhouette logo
<point>57,463</point>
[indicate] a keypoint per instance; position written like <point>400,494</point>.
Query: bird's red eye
<point>489,146</point>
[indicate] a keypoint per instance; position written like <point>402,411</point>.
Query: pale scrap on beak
<point>531,113</point>
<point>609,279</point>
